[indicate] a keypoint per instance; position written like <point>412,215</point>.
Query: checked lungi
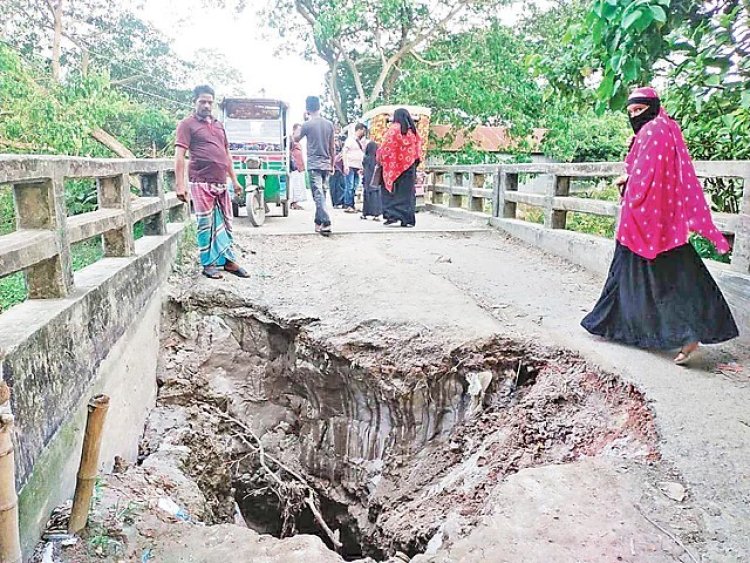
<point>213,211</point>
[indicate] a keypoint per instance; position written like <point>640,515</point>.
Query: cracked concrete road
<point>465,281</point>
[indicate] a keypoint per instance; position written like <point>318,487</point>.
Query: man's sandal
<point>212,272</point>
<point>239,272</point>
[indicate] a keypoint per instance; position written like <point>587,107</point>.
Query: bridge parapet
<point>41,244</point>
<point>496,190</point>
<point>95,331</point>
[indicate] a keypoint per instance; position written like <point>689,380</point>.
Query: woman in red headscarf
<point>659,294</point>
<point>399,156</point>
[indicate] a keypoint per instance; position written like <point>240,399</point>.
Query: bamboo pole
<point>10,541</point>
<point>88,470</point>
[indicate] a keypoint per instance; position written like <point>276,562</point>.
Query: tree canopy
<point>366,41</point>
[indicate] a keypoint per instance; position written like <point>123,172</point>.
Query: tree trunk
<point>85,59</point>
<point>56,41</point>
<point>333,86</point>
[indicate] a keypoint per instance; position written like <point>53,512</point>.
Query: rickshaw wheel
<point>256,208</point>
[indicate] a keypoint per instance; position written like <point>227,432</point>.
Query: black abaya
<point>401,203</point>
<point>665,303</point>
<point>372,205</point>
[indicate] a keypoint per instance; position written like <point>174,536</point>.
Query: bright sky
<point>250,46</point>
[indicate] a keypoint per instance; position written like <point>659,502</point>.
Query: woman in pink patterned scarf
<point>659,294</point>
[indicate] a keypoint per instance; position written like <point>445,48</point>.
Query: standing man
<point>204,138</point>
<point>320,154</point>
<point>353,154</point>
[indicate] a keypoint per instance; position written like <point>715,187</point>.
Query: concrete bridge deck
<point>448,274</point>
<point>452,277</point>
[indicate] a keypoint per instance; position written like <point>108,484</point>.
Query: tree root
<point>291,493</point>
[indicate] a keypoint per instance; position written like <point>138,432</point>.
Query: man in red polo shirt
<point>210,163</point>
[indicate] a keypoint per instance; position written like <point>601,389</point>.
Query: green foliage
<point>13,287</point>
<point>12,290</point>
<point>474,78</point>
<point>7,211</point>
<point>365,43</point>
<point>591,224</point>
<point>80,196</point>
<point>44,117</point>
<point>627,38</point>
<point>86,253</point>
<point>706,249</point>
<point>700,46</point>
<point>577,134</point>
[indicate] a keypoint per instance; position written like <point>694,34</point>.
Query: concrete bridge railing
<point>495,190</point>
<point>40,246</point>
<point>92,331</point>
<point>494,193</point>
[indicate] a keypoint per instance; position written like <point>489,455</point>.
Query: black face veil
<point>648,114</point>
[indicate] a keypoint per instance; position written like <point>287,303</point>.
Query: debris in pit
<point>543,406</point>
<point>170,507</point>
<point>673,490</point>
<point>478,384</point>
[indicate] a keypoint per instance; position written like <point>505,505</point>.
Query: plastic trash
<point>169,506</point>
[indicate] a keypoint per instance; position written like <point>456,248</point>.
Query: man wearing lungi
<point>210,163</point>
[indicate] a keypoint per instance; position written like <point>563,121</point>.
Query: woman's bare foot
<point>297,207</point>
<point>686,352</point>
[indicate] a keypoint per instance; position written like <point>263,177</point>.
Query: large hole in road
<point>373,440</point>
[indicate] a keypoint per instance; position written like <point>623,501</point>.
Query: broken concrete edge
<point>53,353</point>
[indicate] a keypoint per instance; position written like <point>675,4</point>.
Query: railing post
<point>114,193</point>
<point>152,185</point>
<point>457,181</point>
<point>505,182</point>
<point>741,251</point>
<point>179,214</point>
<point>477,182</point>
<point>41,205</point>
<point>555,219</point>
<point>438,196</point>
<point>431,184</point>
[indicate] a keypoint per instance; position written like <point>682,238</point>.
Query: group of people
<point>387,172</point>
<point>658,294</point>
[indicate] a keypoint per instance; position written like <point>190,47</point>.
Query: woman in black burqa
<point>399,156</point>
<point>659,294</point>
<point>373,203</point>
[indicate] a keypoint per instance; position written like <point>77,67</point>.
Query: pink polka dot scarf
<point>664,200</point>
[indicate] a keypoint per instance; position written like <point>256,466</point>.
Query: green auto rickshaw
<point>256,131</point>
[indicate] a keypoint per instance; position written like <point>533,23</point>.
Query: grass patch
<point>13,287</point>
<point>138,229</point>
<point>590,224</point>
<point>186,260</point>
<point>7,211</point>
<point>86,252</point>
<point>12,290</point>
<point>530,213</point>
